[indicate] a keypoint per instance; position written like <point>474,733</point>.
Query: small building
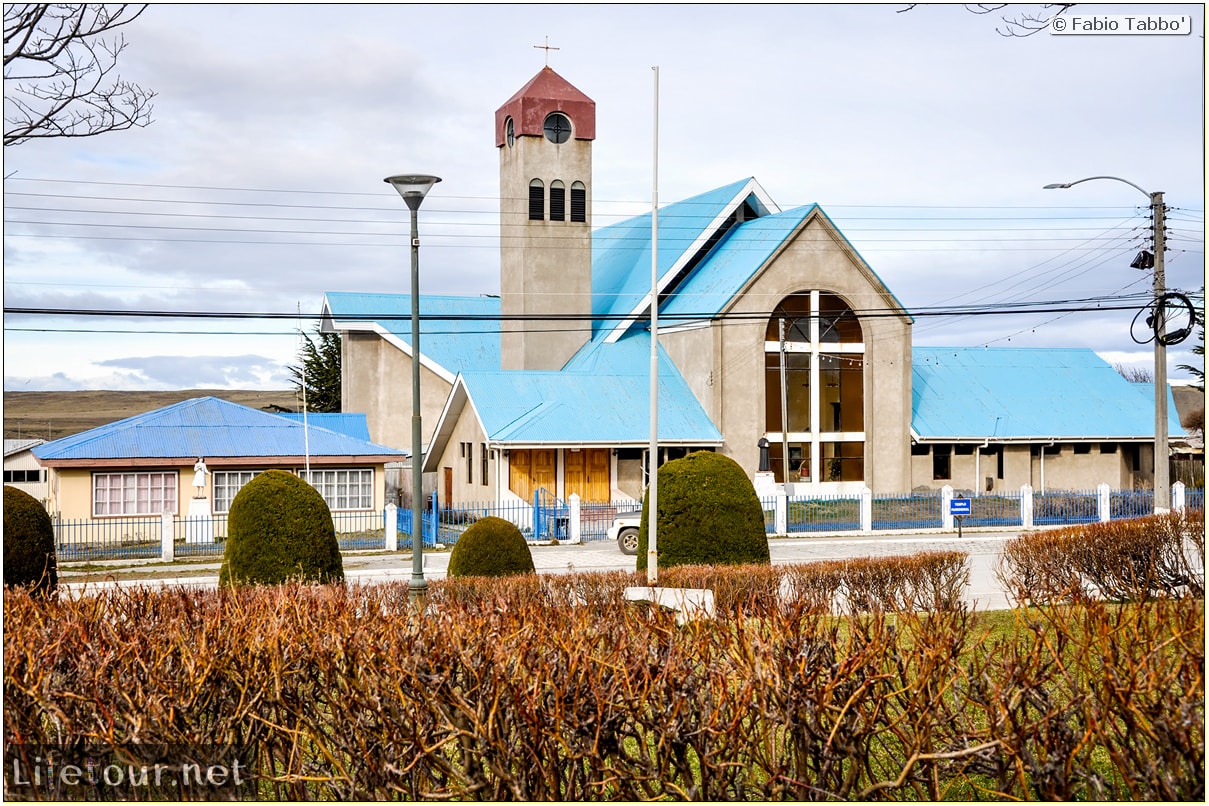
<point>148,464</point>
<point>21,468</point>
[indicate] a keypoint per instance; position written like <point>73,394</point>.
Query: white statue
<point>199,478</point>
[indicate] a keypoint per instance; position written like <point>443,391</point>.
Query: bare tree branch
<point>1022,25</point>
<point>57,66</point>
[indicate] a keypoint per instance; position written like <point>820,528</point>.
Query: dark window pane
<point>537,201</point>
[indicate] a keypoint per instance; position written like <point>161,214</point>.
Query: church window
<point>942,462</point>
<point>557,128</point>
<point>579,202</point>
<point>537,200</point>
<point>558,201</point>
<point>814,383</point>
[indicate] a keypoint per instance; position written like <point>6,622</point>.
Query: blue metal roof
<point>604,398</point>
<point>211,428</point>
<point>348,423</point>
<point>457,343</point>
<point>714,284</point>
<point>621,253</point>
<point>1027,393</point>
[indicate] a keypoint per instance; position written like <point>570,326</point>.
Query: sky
<point>926,135</point>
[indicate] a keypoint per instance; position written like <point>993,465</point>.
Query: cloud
<point>214,372</point>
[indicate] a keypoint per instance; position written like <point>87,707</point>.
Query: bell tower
<point>544,134</point>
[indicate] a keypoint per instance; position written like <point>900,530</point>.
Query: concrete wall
<point>1063,468</point>
<point>545,266</point>
<point>376,380</point>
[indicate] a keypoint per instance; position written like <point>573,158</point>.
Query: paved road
<point>985,593</point>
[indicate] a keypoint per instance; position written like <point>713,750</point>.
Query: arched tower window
<point>558,201</point>
<point>537,200</point>
<point>579,202</point>
<point>814,359</point>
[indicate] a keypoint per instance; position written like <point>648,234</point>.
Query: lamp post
<point>1162,474</point>
<point>413,188</point>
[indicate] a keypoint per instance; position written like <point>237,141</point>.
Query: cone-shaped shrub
<point>29,543</point>
<point>709,514</point>
<point>280,529</point>
<point>492,547</point>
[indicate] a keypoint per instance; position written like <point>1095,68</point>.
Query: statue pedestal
<point>199,525</point>
<point>766,484</point>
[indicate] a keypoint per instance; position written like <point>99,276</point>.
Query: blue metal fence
<point>109,539</point>
<point>1058,507</point>
<point>142,537</point>
<point>547,519</point>
<point>824,513</point>
<point>909,511</point>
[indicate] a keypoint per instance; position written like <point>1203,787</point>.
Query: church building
<point>777,344</point>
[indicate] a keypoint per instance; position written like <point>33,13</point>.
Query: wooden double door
<point>585,472</point>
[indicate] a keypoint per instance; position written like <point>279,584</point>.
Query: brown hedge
<point>1124,560</point>
<point>550,688</point>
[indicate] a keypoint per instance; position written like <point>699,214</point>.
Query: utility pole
<point>1162,463</point>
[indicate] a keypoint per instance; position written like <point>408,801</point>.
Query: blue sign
<point>959,506</point>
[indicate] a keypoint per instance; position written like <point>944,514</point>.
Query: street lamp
<point>1162,480</point>
<point>413,188</point>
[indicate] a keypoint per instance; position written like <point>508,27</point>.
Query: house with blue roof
<point>147,464</point>
<point>777,345</point>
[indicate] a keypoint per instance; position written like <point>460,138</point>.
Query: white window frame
<point>337,487</point>
<point>227,484</point>
<point>134,493</point>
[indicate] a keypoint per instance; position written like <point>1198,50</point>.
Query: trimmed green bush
<point>492,547</point>
<point>709,514</point>
<point>280,530</point>
<point>29,543</point>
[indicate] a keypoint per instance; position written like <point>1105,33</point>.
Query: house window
<point>226,484</point>
<point>942,462</point>
<point>133,493</point>
<point>814,388</point>
<point>468,452</point>
<point>579,202</point>
<point>486,464</point>
<point>558,201</point>
<point>23,476</point>
<point>344,489</point>
<point>537,200</point>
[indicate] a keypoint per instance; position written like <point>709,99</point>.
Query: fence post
<point>1026,506</point>
<point>866,510</point>
<point>391,525</point>
<point>1177,497</point>
<point>167,538</point>
<point>946,515</point>
<point>574,527</point>
<point>781,519</point>
<point>1104,500</point>
<point>435,525</point>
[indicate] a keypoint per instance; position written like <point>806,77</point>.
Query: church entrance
<point>586,474</point>
<point>531,469</point>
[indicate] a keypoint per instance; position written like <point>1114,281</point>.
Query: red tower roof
<point>546,92</point>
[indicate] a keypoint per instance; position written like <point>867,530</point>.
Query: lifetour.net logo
<point>129,772</point>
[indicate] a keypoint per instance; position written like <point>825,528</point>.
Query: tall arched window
<point>537,200</point>
<point>558,201</point>
<point>814,358</point>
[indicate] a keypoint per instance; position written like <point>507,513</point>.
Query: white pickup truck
<point>625,530</point>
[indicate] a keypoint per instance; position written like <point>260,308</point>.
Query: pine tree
<point>1199,349</point>
<point>319,371</point>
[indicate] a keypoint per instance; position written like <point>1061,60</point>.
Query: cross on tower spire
<point>546,47</point>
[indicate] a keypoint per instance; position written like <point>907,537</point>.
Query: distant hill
<point>50,415</point>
